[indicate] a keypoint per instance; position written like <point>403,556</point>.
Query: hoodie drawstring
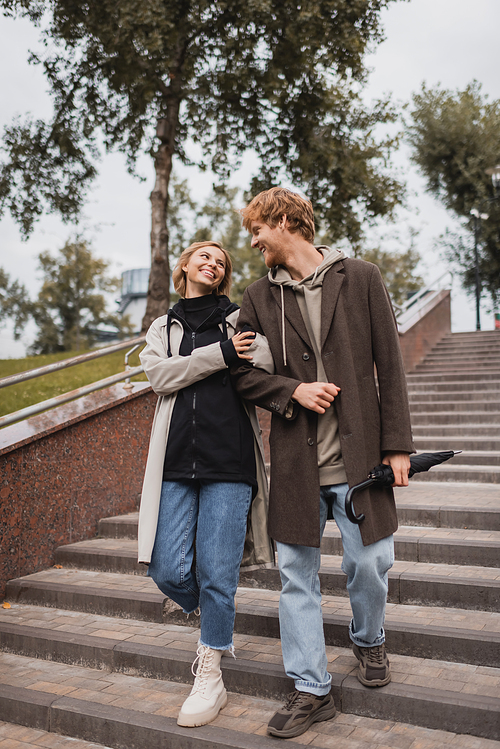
<point>283,324</point>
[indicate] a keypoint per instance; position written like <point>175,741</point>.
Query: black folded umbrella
<point>383,475</point>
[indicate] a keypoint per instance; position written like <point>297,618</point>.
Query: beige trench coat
<point>167,376</point>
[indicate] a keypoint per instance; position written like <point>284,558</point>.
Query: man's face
<point>268,241</point>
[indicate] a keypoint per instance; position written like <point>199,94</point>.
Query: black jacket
<point>210,434</point>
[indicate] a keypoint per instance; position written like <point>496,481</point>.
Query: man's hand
<point>400,464</point>
<point>316,396</point>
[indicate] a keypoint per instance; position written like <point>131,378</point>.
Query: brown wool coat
<point>358,330</point>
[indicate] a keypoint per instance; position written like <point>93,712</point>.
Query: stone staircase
<point>455,405</point>
<point>92,649</point>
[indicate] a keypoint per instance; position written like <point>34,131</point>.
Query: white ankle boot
<point>208,695</point>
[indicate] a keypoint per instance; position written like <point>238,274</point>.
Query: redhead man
<point>330,326</point>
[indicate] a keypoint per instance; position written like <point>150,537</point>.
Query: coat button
<point>306,357</point>
<point>310,441</point>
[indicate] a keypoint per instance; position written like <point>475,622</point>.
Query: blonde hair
<point>179,276</point>
<point>269,206</point>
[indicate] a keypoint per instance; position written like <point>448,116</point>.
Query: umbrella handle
<point>349,509</point>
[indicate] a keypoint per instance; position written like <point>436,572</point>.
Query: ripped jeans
<point>198,549</point>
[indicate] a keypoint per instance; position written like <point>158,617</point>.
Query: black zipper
<point>193,422</point>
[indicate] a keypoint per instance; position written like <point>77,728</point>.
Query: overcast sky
<point>450,42</point>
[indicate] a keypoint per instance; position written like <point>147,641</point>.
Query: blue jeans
<point>301,618</point>
<point>198,549</point>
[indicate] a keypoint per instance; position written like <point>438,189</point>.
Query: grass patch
<point>24,394</point>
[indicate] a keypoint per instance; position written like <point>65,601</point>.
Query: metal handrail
<point>401,309</point>
<point>58,400</point>
<point>30,374</point>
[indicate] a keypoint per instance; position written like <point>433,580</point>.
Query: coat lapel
<point>332,283</point>
<point>292,311</point>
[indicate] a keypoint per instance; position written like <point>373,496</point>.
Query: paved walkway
<point>455,677</point>
<point>248,714</point>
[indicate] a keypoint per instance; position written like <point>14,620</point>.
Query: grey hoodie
<point>308,293</point>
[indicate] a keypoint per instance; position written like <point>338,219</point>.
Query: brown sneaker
<point>300,711</point>
<point>374,669</point>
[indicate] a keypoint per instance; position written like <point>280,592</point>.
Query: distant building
<point>133,298</point>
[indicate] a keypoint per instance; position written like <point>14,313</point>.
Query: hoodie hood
<point>281,277</point>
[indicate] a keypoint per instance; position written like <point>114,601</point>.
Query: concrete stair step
<point>457,417</point>
<point>437,633</point>
<point>440,505</point>
<point>479,457</point>
<point>132,711</point>
<point>467,586</point>
<point>472,334</point>
<point>24,737</point>
<point>434,545</point>
<point>470,367</point>
<point>460,405</point>
<point>444,545</point>
<point>352,731</point>
<point>449,505</point>
<point>481,341</point>
<point>451,388</point>
<point>120,526</point>
<point>454,350</point>
<point>460,361</point>
<point>487,474</point>
<point>430,378</point>
<point>482,346</point>
<point>451,399</point>
<point>476,334</point>
<point>427,443</point>
<point>456,430</point>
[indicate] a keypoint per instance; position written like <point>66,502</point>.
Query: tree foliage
<point>71,309</point>
<point>398,271</point>
<point>218,219</point>
<point>278,76</point>
<point>15,304</point>
<point>455,136</point>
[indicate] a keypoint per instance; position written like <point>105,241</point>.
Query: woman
<point>205,467</point>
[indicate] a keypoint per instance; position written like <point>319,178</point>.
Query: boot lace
<point>375,655</point>
<point>204,658</point>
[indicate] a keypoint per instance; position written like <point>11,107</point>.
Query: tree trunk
<point>158,299</point>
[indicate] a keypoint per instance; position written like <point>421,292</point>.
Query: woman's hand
<point>242,342</point>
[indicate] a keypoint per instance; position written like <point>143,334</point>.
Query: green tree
<point>215,78</point>
<point>455,136</point>
<point>15,303</point>
<point>398,271</point>
<point>69,308</point>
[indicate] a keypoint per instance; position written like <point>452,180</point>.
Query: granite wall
<point>418,341</point>
<point>62,471</point>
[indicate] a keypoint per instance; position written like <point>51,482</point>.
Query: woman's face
<point>204,271</point>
